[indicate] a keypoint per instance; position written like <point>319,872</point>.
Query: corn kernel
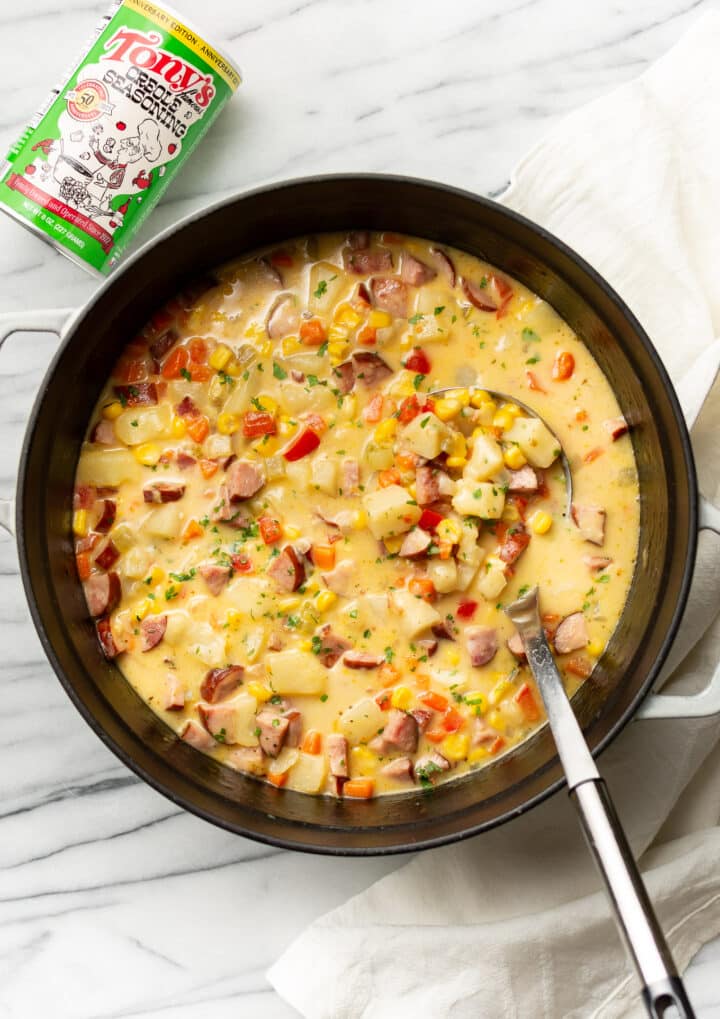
<point>253,331</point>
<point>178,428</point>
<point>455,746</point>
<point>393,543</point>
<point>268,403</point>
<point>479,399</point>
<point>540,522</point>
<point>233,368</point>
<point>80,523</point>
<point>143,608</point>
<point>447,408</point>
<point>337,348</point>
<point>112,410</point>
<point>458,445</point>
<point>503,419</point>
<point>511,513</point>
<point>220,357</point>
<point>456,461</point>
<point>157,575</point>
<point>452,656</point>
<point>268,445</point>
<point>407,341</point>
<point>379,319</point>
<point>478,754</point>
<point>386,430</point>
<point>326,600</point>
<point>290,345</point>
<point>346,315</point>
<point>461,395</point>
<point>338,334</point>
<point>412,489</point>
<point>401,698</point>
<point>259,691</point>
<point>349,406</point>
<point>148,453</point>
<point>476,701</point>
<point>306,645</point>
<point>286,426</point>
<point>289,604</point>
<point>501,689</point>
<point>449,531</point>
<point>496,720</point>
<point>512,408</point>
<point>292,532</point>
<point>359,520</point>
<point>514,458</point>
<point>228,424</point>
<point>595,648</point>
<point>312,586</point>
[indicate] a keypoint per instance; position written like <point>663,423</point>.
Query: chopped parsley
<point>180,577</point>
<point>416,318</point>
<point>278,371</point>
<point>186,374</point>
<point>321,289</point>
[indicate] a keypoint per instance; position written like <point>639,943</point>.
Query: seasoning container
<point>105,145</point>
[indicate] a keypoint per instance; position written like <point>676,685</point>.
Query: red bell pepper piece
<point>302,444</point>
<point>418,361</point>
<point>258,423</point>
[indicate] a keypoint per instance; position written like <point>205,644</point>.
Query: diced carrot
<point>384,700</point>
<point>315,421</point>
<point>208,467</point>
<point>409,409</point>
<point>192,530</point>
<point>408,462</point>
<point>373,412</point>
<point>198,350</point>
<point>497,744</point>
<point>83,565</point>
<point>199,372</point>
<point>176,360</point>
<point>277,778</point>
<point>323,556</point>
<point>388,674</point>
<point>435,735</point>
<point>593,454</point>
<point>452,720</point>
<point>198,427</point>
<point>359,788</point>
<point>581,415</point>
<point>313,332</point>
<point>436,701</point>
<point>422,587</point>
<point>258,422</point>
<point>525,698</point>
<point>367,336</point>
<point>579,667</point>
<point>270,530</point>
<point>391,476</point>
<point>563,366</point>
<point>312,742</point>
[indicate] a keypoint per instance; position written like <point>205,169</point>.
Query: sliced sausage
<point>401,769</point>
<point>482,644</point>
<point>597,562</point>
<point>415,543</point>
<point>429,766</point>
<point>370,368</point>
<point>139,394</point>
<point>350,477</point>
<point>444,263</point>
<point>287,570</point>
<point>616,427</point>
<point>428,646</point>
<point>482,733</point>
<point>341,579</point>
<point>358,239</point>
<point>295,727</point>
<point>516,646</point>
<point>571,634</point>
<point>273,730</point>
<point>103,433</point>
<point>194,734</point>
<point>215,576</point>
<point>337,747</point>
<point>102,593</point>
<point>400,732</point>
<point>423,717</point>
<point>162,344</point>
<point>219,684</point>
<point>362,660</point>
<point>427,486</point>
<point>525,480</point>
<point>107,516</point>
<point>224,512</point>
<point>590,521</point>
<point>184,460</point>
<point>152,631</point>
<point>364,261</point>
<point>173,693</point>
<point>283,318</point>
<point>244,479</point>
<point>108,557</point>
<point>513,544</point>
<point>415,272</point>
<point>163,491</point>
<point>345,375</point>
<point>390,294</point>
<point>105,636</point>
<point>329,646</point>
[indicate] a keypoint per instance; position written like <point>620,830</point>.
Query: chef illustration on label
<point>115,156</point>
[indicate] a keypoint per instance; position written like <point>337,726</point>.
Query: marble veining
<point>113,902</point>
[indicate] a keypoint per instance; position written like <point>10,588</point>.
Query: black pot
<point>668,533</point>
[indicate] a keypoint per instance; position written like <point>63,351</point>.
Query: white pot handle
<point>707,702</point>
<point>48,320</point>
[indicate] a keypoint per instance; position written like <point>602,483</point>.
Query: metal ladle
<point>662,988</point>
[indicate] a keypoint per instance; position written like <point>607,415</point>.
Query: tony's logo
<point>143,51</point>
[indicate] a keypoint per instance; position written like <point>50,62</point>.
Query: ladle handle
<point>663,991</point>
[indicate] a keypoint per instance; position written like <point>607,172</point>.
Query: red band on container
<point>66,212</point>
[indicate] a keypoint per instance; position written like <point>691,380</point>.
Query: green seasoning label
<point>93,164</point>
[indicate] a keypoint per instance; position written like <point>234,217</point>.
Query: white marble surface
<point>112,902</point>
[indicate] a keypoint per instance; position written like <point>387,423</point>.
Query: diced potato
<point>284,760</point>
<point>468,566</point>
<point>108,467</point>
<point>143,424</point>
<point>360,722</point>
<point>124,537</point>
<point>199,392</point>
<point>246,593</point>
<point>416,615</point>
<point>207,645</point>
<point>378,455</point>
<point>486,459</point>
<point>479,499</point>
<point>444,574</point>
<point>492,578</point>
<point>438,313</point>
<point>324,475</point>
<point>296,398</point>
<point>296,672</point>
<point>426,434</point>
<point>165,521</point>
<point>241,729</point>
<point>538,444</point>
<point>325,286</point>
<point>217,445</point>
<point>308,773</point>
<point>136,563</point>
<point>297,473</point>
<point>390,511</point>
<point>178,622</point>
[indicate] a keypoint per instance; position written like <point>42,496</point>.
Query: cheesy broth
<point>298,557</point>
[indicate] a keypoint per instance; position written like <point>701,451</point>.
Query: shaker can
<point>101,151</point>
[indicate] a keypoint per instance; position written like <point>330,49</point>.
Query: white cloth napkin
<point>512,924</point>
